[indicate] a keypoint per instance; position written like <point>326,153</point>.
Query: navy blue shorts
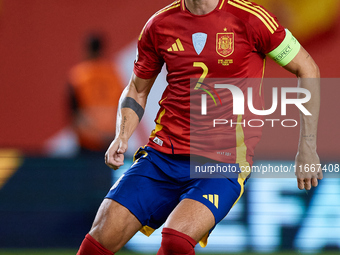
<point>156,182</point>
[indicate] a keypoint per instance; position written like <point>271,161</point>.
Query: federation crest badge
<point>199,40</point>
<point>225,44</point>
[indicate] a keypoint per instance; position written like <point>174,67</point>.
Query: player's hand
<point>114,156</point>
<point>308,170</point>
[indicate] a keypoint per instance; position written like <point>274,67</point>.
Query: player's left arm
<point>285,49</point>
<point>308,74</point>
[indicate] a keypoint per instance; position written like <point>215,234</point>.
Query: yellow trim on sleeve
<point>263,11</point>
<point>265,15</point>
<point>251,9</point>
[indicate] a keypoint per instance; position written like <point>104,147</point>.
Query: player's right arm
<point>131,108</point>
<point>132,103</point>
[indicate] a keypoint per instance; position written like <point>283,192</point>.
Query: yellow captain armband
<point>286,51</point>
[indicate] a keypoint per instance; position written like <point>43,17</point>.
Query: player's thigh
<point>205,202</point>
<point>114,225</point>
<point>191,218</point>
<point>146,191</point>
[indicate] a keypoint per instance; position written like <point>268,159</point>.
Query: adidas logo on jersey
<point>213,198</point>
<point>177,46</point>
<point>158,141</point>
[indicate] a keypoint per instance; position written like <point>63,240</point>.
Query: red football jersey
<point>229,42</point>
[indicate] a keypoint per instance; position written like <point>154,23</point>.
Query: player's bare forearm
<point>127,120</point>
<point>131,108</point>
<point>130,112</point>
<point>309,123</point>
<point>307,158</point>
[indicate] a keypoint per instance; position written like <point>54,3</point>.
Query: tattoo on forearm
<point>309,137</point>
<point>123,125</point>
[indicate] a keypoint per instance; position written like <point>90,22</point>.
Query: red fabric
<point>176,243</point>
<point>91,247</point>
<point>238,34</point>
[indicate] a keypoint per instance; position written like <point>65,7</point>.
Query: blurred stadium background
<point>49,194</point>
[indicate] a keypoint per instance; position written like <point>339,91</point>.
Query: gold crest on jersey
<point>225,44</point>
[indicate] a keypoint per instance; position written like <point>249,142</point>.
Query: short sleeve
<point>272,39</point>
<point>268,32</point>
<point>148,63</point>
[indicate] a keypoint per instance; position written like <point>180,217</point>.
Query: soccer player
<point>195,39</point>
